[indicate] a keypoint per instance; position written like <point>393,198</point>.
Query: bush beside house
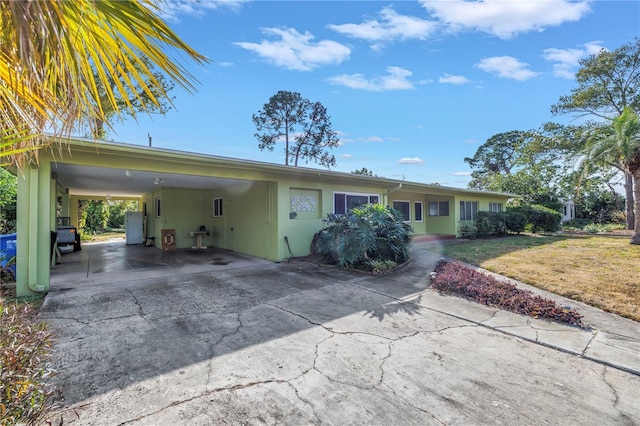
<point>371,237</point>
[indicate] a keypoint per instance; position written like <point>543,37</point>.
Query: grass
<point>602,271</point>
<point>103,237</point>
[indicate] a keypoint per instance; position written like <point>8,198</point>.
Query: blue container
<point>8,244</point>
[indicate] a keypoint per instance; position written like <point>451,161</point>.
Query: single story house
<point>247,206</point>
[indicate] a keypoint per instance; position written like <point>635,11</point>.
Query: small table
<point>198,235</point>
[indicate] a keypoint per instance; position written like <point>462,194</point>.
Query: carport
<point>178,192</point>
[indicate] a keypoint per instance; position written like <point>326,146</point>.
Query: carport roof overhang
<point>100,168</point>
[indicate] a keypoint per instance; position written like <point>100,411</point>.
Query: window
<point>468,210</point>
<point>438,208</point>
<point>495,207</point>
<point>217,207</point>
<point>417,207</point>
<point>403,207</point>
<point>343,202</point>
<point>158,207</point>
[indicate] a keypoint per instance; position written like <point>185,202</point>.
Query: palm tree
<point>62,61</point>
<point>619,143</point>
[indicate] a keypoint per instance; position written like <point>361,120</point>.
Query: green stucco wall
<point>245,226</point>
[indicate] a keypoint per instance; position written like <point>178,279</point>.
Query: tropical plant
<point>365,238</point>
<point>607,84</point>
<point>57,55</point>
<point>619,143</point>
<point>302,125</point>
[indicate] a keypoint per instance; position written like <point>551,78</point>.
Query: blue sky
<point>412,87</point>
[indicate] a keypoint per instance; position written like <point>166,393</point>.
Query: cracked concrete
<point>301,344</point>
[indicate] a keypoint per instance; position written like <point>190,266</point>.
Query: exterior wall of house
<point>483,205</point>
<point>302,204</point>
<point>437,224</point>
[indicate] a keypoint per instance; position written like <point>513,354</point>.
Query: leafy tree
<point>58,54</point>
<point>620,141</point>
<point>304,126</point>
<point>608,83</point>
<point>8,200</point>
<point>363,171</point>
<point>517,162</point>
<point>117,210</point>
<point>96,216</point>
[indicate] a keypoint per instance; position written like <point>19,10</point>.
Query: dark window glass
<point>418,212</point>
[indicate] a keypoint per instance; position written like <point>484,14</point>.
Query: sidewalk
<point>607,338</point>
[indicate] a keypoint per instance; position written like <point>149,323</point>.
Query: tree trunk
<point>635,238</point>
<point>629,202</point>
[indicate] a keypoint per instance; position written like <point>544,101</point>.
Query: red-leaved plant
<point>456,278</point>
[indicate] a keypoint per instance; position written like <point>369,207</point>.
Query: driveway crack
<point>136,301</point>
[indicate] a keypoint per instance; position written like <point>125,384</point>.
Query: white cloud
<point>396,79</point>
<point>371,139</point>
<point>414,160</point>
<point>170,10</point>
<point>567,61</point>
<point>391,27</point>
<point>506,67</point>
<point>506,19</point>
<point>471,141</point>
<point>296,51</point>
<point>453,79</point>
<point>346,156</point>
<point>461,174</point>
<point>225,64</point>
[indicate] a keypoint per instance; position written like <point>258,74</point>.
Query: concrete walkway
<point>296,343</point>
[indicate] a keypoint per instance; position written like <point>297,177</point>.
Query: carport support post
<point>35,222</point>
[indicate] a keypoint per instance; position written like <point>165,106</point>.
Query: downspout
<point>386,194</point>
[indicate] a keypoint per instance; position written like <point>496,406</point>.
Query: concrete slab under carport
<point>112,262</point>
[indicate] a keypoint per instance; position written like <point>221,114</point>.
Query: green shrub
<point>515,221</point>
<point>24,353</point>
<point>540,218</point>
<point>468,229</point>
<point>490,224</point>
<point>576,223</point>
<point>371,232</point>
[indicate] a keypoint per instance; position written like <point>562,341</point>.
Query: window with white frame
<point>217,207</point>
<point>495,207</point>
<point>345,201</point>
<point>438,208</point>
<point>417,211</point>
<point>158,207</point>
<point>404,208</point>
<point>468,210</point>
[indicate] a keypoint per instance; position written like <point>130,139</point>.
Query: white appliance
<point>133,228</point>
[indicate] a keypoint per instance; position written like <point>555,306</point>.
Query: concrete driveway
<point>296,343</point>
